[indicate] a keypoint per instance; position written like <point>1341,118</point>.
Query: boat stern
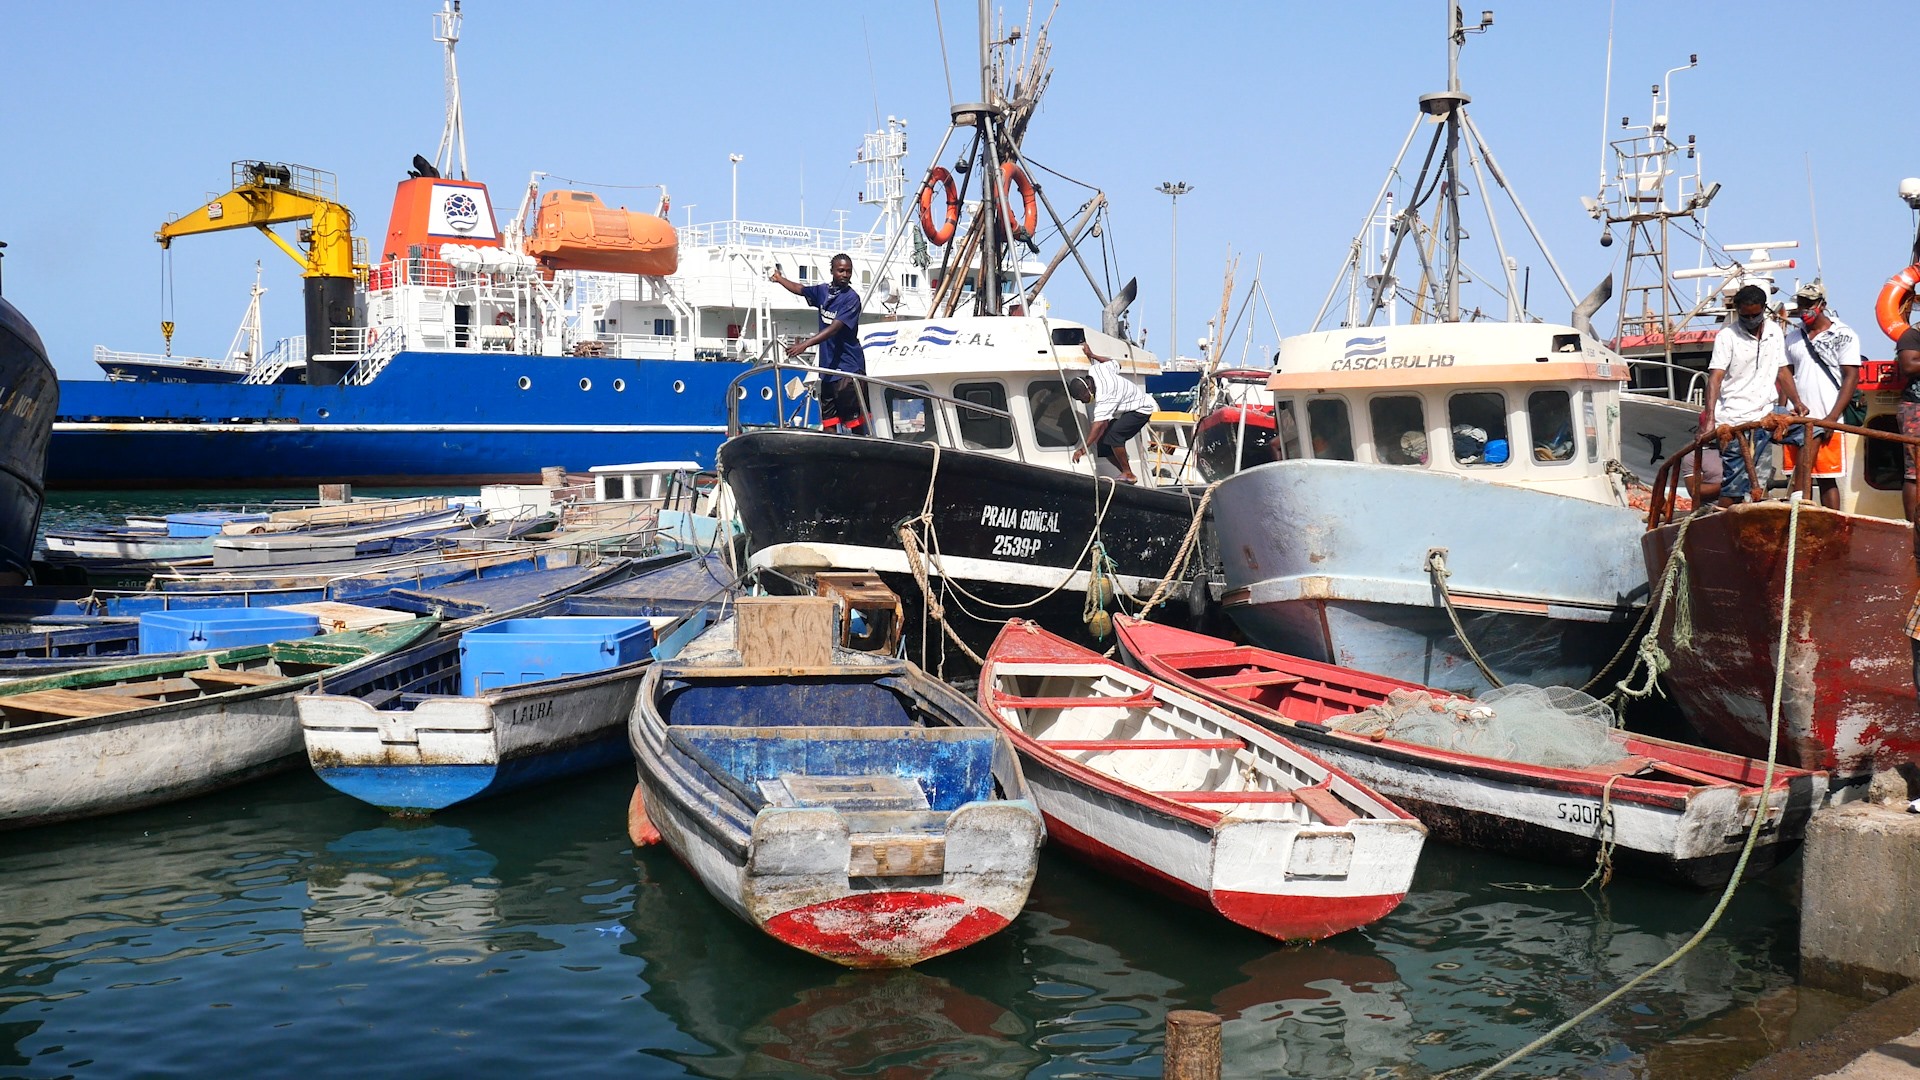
<point>404,761</point>
<point>1304,883</point>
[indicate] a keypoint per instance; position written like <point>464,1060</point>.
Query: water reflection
<point>281,922</point>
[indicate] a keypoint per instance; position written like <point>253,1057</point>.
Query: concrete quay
<point>1860,935</point>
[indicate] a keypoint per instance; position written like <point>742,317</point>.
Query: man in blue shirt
<point>842,407</point>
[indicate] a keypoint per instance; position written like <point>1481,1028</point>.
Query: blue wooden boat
<point>861,811</point>
<point>541,694</point>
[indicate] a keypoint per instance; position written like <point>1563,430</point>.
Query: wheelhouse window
<point>1593,428</point>
<point>1477,422</point>
<point>1056,422</point>
<point>983,430</point>
<point>1399,430</point>
<point>1286,434</point>
<point>1886,460</point>
<point>1330,429</point>
<point>909,416</point>
<point>1550,425</point>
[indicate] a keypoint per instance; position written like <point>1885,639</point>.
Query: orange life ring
<point>503,318</point>
<point>1896,302</point>
<point>1011,176</point>
<point>939,175</point>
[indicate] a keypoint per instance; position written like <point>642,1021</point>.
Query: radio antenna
<point>1813,211</point>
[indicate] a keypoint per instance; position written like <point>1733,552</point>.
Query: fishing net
<point>1556,726</point>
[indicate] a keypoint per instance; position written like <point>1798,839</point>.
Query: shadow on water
<point>279,928</point>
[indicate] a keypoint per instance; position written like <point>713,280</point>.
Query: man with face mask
<point>842,408</point>
<point>1746,377</point>
<point>1825,354</point>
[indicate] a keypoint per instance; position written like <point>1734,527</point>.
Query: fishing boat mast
<point>1436,243</point>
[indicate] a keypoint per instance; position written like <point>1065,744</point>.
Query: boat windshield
<point>1399,429</point>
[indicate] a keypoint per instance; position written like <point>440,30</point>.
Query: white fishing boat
<point>1448,508</point>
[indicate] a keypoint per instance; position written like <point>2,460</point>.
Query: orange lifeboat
<point>576,231</point>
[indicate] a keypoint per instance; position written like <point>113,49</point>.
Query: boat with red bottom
<point>1158,787</point>
<point>1662,808</point>
<point>857,809</point>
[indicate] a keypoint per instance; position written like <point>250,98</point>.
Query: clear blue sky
<point>1283,117</point>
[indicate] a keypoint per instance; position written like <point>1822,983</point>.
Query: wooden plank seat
<point>1257,679</point>
<point>1014,701</point>
<point>233,679</point>
<point>1143,744</point>
<point>151,689</point>
<point>1228,796</point>
<point>69,704</point>
<point>1325,805</point>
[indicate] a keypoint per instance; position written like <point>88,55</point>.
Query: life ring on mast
<point>1896,302</point>
<point>939,175</point>
<point>1012,176</point>
<point>503,318</point>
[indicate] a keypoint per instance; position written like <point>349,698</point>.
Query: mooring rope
<point>1437,571</point>
<point>1753,831</point>
<point>1187,543</point>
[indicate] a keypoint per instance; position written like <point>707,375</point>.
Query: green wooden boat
<point>102,740</point>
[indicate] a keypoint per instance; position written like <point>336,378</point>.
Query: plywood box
<point>786,631</point>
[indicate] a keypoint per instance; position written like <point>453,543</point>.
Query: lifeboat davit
<point>576,231</point>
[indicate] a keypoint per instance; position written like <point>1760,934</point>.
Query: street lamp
<point>735,159</point>
<point>1175,188</point>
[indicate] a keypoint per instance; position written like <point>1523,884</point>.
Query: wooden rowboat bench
<point>1325,805</point>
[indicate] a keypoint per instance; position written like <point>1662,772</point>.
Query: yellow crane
<point>269,193</point>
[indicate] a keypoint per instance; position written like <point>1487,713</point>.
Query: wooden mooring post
<point>1193,1045</point>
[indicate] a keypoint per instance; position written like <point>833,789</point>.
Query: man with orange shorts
<point>1825,355</point>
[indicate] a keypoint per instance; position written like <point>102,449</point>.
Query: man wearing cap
<point>1825,354</point>
<point>1120,410</point>
<point>1746,377</point>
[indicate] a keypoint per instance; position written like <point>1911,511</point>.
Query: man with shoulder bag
<point>1825,355</point>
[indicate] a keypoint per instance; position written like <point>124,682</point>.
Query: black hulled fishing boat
<point>29,394</point>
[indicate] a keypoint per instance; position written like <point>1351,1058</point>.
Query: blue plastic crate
<point>222,628</point>
<point>529,650</point>
<point>206,522</point>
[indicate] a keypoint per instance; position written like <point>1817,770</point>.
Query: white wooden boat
<point>408,735</point>
<point>1168,791</point>
<point>118,738</point>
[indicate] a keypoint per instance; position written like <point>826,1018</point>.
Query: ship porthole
<point>619,386</point>
<point>324,414</point>
<point>679,387</point>
<point>526,383</point>
<point>766,393</point>
<point>586,384</point>
<point>740,393</point>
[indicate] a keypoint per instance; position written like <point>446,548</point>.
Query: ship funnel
<point>1592,302</point>
<point>1113,317</point>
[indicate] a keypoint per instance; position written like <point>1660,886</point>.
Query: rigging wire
<point>940,27</point>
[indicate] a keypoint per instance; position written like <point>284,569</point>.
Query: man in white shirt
<point>1747,376</point>
<point>1120,410</point>
<point>1825,354</point>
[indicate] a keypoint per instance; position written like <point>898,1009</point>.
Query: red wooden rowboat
<point>1672,810</point>
<point>1158,787</point>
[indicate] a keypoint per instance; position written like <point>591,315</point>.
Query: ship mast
<point>453,135</point>
<point>1436,243</point>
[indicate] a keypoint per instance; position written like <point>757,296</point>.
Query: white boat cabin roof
<point>1440,353</point>
<point>987,344</point>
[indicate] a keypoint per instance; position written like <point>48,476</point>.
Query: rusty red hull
<point>1848,699</point>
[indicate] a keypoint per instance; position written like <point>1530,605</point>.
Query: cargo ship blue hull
<point>428,418</point>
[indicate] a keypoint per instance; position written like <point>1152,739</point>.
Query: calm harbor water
<point>281,929</point>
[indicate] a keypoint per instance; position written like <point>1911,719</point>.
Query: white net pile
<point>1556,726</point>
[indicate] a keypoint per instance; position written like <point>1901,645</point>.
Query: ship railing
<point>791,381</point>
<point>1663,378</point>
<point>381,344</point>
<point>285,353</point>
<point>1666,482</point>
<point>106,357</point>
<point>302,179</point>
<point>769,235</point>
<point>396,272</point>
